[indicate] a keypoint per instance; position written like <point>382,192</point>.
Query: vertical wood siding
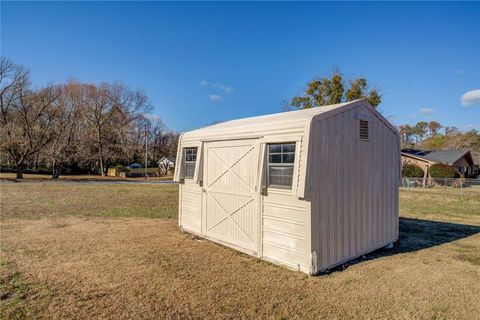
<point>355,182</point>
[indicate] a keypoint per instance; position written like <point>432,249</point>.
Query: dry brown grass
<point>52,199</point>
<point>84,266</point>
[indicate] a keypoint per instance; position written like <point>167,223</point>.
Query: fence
<point>442,184</point>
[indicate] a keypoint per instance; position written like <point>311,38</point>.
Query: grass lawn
<point>9,176</point>
<point>115,251</point>
<point>441,204</point>
<point>142,170</point>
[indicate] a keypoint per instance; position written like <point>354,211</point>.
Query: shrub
<point>442,170</point>
<point>121,168</point>
<point>410,170</point>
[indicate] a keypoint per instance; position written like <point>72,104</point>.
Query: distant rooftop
<point>442,156</point>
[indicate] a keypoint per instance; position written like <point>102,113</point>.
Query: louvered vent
<point>363,130</point>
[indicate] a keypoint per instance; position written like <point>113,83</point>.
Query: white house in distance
<point>308,189</point>
<point>166,164</point>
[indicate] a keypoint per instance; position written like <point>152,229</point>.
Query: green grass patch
<point>12,293</point>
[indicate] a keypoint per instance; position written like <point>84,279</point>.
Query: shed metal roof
<point>283,122</point>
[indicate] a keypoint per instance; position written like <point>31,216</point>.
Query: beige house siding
<point>424,165</point>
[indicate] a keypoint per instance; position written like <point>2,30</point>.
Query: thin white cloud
<point>229,90</point>
<point>220,86</point>
<point>470,98</point>
<point>215,97</point>
<point>427,111</point>
<point>223,87</point>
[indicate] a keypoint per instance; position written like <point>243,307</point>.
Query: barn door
<point>231,201</point>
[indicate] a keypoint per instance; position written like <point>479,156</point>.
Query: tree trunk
<point>56,171</point>
<point>19,173</point>
<point>54,174</point>
<point>102,171</point>
<point>37,156</point>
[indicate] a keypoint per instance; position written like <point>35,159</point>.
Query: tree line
<point>75,126</point>
<point>434,136</point>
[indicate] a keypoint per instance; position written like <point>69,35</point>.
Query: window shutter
<point>179,167</point>
<point>262,169</point>
<point>199,165</point>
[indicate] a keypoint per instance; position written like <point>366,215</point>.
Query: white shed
<point>308,189</point>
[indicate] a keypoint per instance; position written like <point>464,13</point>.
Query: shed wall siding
<point>285,230</point>
<point>190,206</point>
<point>355,187</point>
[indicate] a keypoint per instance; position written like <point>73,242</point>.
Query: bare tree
<point>157,134</point>
<point>87,125</point>
<point>99,114</point>
<point>64,146</point>
<point>27,115</point>
<point>434,126</point>
<point>13,80</point>
<point>112,111</point>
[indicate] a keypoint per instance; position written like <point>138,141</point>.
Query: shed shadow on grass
<point>416,235</point>
<point>421,234</point>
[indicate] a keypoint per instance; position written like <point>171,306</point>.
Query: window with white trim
<point>190,156</point>
<point>281,158</point>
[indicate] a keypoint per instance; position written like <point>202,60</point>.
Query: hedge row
<point>412,171</point>
<point>441,170</point>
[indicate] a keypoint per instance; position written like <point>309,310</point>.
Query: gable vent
<point>363,130</point>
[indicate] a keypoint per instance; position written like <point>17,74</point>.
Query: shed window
<point>281,157</point>
<point>190,156</point>
<point>363,130</point>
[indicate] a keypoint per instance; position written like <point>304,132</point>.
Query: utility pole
<point>146,151</point>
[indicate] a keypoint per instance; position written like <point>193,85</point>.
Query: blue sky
<point>206,62</point>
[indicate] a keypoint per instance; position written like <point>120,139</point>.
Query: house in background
<point>462,160</point>
<point>134,165</point>
<point>476,163</point>
<point>166,165</point>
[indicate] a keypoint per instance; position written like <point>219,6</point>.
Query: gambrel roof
<point>282,123</point>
